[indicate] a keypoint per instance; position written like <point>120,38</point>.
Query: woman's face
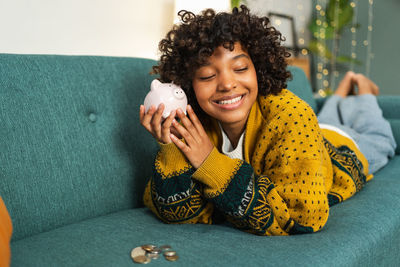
<point>226,87</point>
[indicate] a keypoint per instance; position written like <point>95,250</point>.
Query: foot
<point>365,85</point>
<point>346,86</point>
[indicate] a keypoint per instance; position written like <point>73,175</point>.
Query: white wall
<point>84,27</point>
<point>131,28</point>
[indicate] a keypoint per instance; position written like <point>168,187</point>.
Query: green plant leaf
<point>345,15</point>
<point>316,31</point>
<point>235,3</point>
<point>319,48</point>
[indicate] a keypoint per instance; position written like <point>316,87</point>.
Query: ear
<point>154,84</point>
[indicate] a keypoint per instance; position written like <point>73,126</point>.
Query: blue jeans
<point>361,118</point>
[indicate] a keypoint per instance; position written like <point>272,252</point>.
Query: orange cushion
<point>5,235</point>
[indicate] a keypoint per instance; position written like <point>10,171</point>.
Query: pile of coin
<point>144,254</point>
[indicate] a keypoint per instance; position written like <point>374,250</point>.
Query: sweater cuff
<point>216,172</point>
<point>171,161</point>
<point>170,149</point>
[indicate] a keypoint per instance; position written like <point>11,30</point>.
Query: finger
<point>141,112</point>
<point>184,133</point>
<point>188,124</point>
<point>166,127</point>
<point>175,132</point>
<point>181,145</point>
<point>195,120</point>
<point>156,121</point>
<point>147,116</point>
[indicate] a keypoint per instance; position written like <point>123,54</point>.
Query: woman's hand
<point>198,145</point>
<point>152,121</point>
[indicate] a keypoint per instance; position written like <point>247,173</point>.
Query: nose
<point>226,81</point>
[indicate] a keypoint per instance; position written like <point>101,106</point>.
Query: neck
<point>234,131</point>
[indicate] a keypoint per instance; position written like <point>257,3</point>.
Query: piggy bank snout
<point>179,93</point>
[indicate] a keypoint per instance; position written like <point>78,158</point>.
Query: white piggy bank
<point>171,95</point>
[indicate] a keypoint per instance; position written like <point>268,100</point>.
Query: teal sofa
<point>74,161</point>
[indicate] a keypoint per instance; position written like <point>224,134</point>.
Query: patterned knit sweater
<point>291,174</point>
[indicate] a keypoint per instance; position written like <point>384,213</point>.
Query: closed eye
<point>207,77</point>
<point>242,69</point>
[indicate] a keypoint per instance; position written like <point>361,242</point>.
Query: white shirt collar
<point>227,148</point>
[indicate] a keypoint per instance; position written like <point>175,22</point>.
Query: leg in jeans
<point>361,118</point>
<point>374,134</point>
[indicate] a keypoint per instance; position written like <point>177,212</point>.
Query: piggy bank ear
<point>154,84</point>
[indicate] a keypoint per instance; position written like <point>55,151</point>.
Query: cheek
<point>254,82</point>
<point>201,93</point>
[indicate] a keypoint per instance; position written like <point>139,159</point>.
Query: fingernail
<point>189,107</point>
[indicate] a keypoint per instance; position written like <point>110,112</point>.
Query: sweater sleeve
<point>254,204</point>
<point>171,193</point>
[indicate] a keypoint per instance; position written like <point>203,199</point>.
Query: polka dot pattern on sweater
<point>293,156</point>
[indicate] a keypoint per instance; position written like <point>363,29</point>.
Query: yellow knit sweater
<point>291,174</point>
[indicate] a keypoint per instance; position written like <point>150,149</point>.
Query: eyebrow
<point>234,58</point>
<point>239,56</point>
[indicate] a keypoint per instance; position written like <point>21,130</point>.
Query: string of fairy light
<point>323,84</point>
<point>335,46</point>
<point>326,69</point>
<point>353,29</point>
<point>368,42</point>
<point>322,62</point>
<point>302,30</point>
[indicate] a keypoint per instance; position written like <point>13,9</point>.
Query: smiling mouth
<point>229,101</point>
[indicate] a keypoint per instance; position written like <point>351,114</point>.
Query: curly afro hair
<point>189,44</point>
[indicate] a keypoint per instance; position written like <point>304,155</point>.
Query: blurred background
<point>326,37</point>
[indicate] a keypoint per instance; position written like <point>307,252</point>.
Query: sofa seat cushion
<point>363,231</point>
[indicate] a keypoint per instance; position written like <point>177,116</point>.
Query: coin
<point>148,248</point>
<point>156,250</point>
<point>165,247</point>
<point>153,255</point>
<point>172,258</point>
<point>169,253</point>
<point>141,259</point>
<point>138,251</point>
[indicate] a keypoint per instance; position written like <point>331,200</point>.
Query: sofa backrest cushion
<point>71,147</point>
<point>300,85</point>
<point>390,105</point>
<point>71,144</point>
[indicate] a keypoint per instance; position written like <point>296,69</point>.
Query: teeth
<point>230,101</point>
